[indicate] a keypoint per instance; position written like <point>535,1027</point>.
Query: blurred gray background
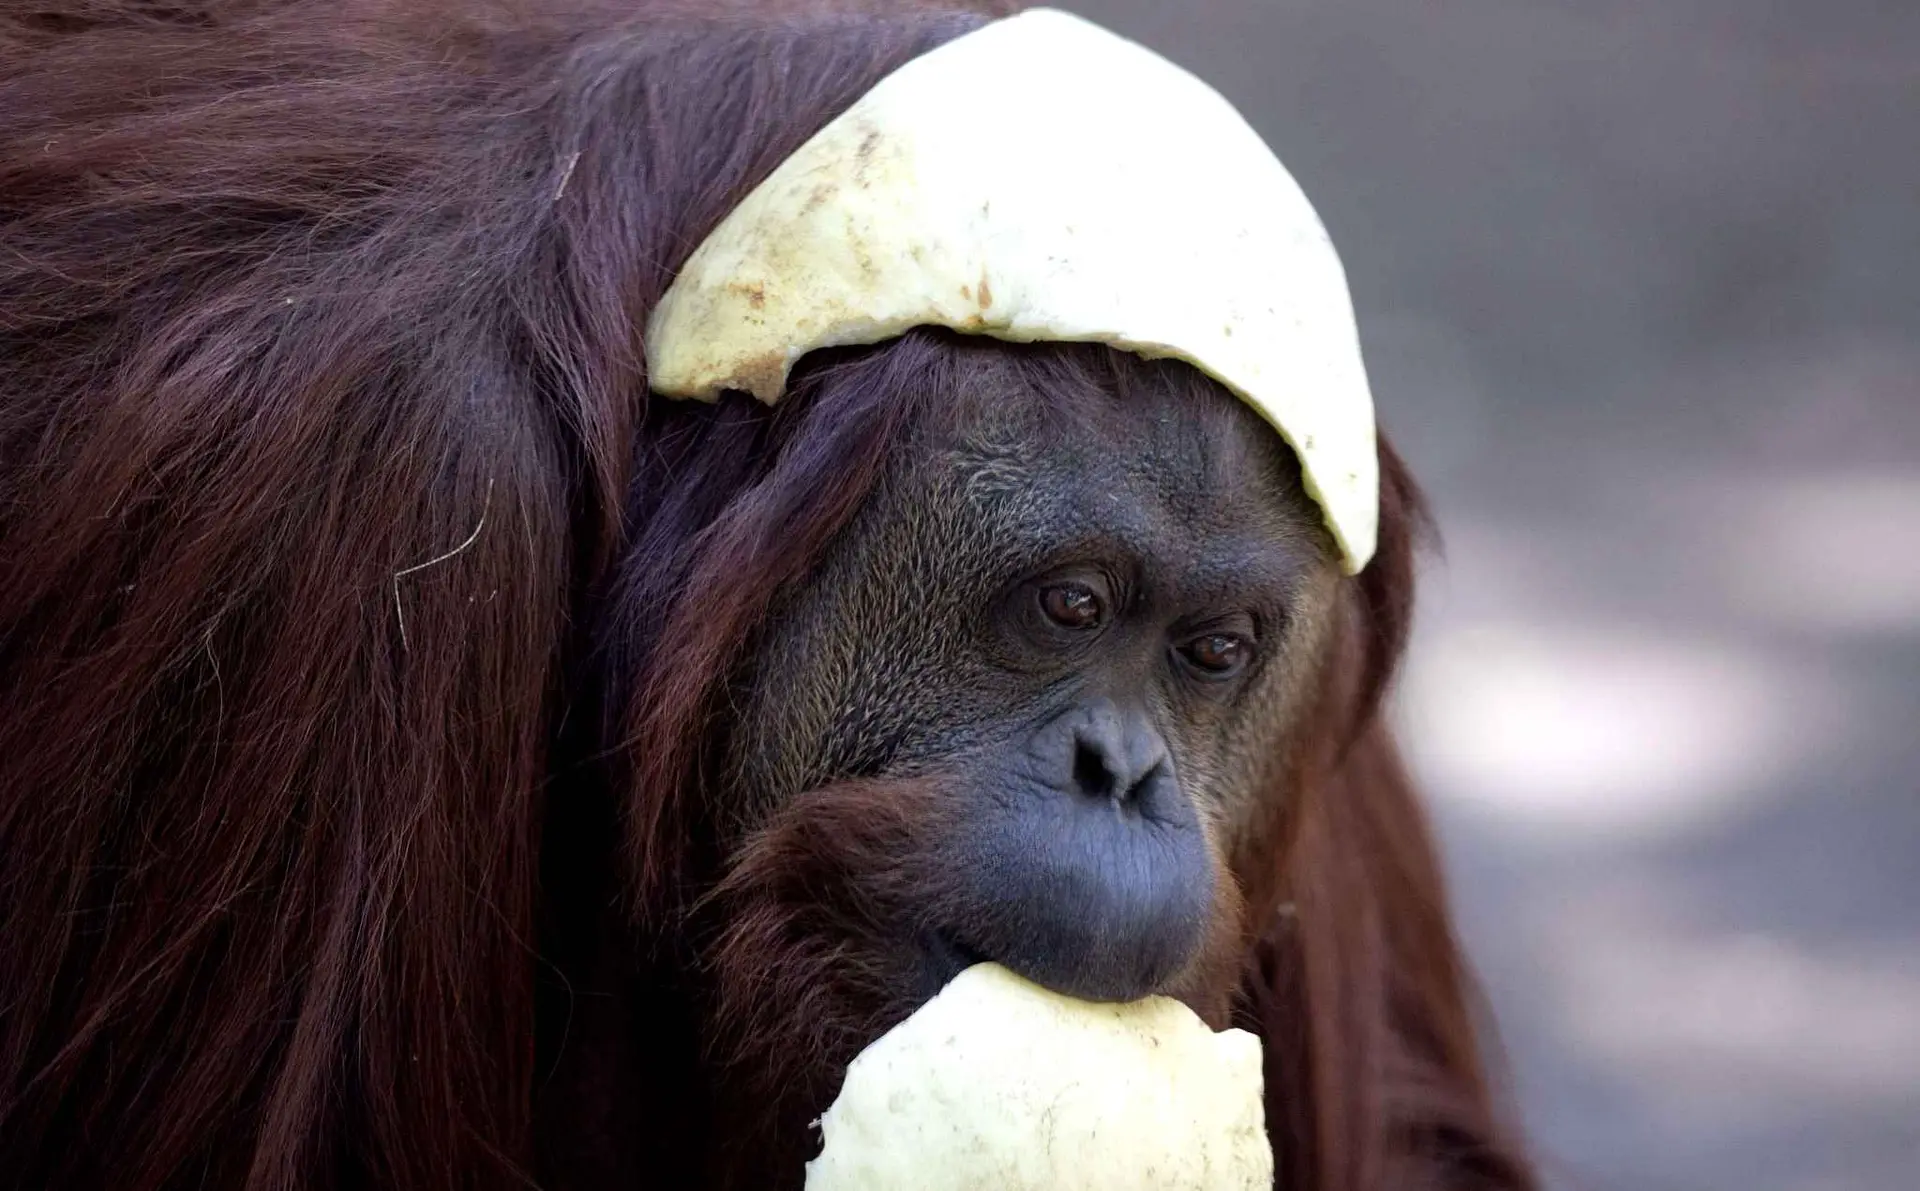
<point>1639,283</point>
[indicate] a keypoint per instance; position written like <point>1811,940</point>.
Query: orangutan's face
<point>1072,626</point>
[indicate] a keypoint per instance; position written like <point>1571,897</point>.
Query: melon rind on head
<point>1041,179</point>
<point>997,1084</point>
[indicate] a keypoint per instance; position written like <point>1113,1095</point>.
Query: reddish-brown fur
<point>354,593</point>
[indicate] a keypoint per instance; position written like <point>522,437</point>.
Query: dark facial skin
<point>1089,610</point>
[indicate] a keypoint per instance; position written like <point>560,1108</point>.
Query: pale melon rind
<point>999,1085</point>
<point>1041,179</point>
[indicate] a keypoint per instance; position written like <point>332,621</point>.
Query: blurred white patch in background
<point>1542,691</point>
<point>1620,731</point>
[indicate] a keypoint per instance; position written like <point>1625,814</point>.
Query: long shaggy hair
<point>354,591</point>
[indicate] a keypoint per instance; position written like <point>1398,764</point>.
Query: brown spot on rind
<point>863,156</point>
<point>986,292</point>
<point>817,198</point>
<point>765,378</point>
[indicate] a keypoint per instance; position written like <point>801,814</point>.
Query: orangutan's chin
<point>999,1084</point>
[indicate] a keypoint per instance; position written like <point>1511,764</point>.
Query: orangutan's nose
<point>1114,756</point>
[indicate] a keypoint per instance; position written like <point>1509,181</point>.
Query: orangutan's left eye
<point>1217,655</point>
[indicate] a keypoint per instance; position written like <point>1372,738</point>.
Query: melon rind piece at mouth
<point>997,1083</point>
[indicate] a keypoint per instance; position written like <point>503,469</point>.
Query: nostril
<point>1090,772</point>
<point>1137,791</point>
